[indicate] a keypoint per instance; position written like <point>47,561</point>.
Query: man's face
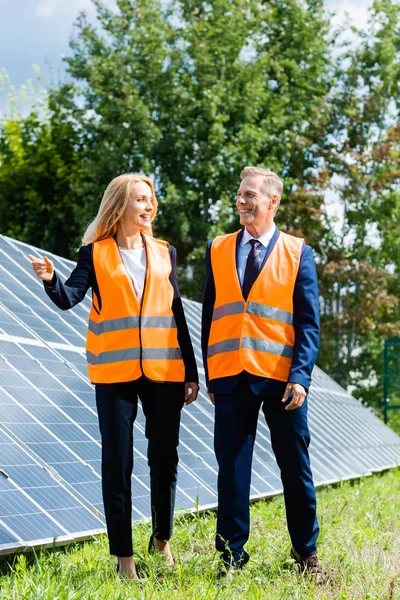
<point>254,206</point>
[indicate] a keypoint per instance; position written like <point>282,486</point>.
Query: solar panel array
<point>50,486</point>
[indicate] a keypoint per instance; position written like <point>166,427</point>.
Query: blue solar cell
<point>75,384</point>
<point>31,432</point>
<point>91,491</point>
<point>81,415</point>
<point>24,395</point>
<point>69,433</point>
<point>4,484</point>
<point>6,538</point>
<point>12,502</point>
<point>87,451</point>
<point>79,520</point>
<point>11,454</point>
<point>53,497</point>
<point>15,414</point>
<point>34,526</point>
<point>30,475</point>
<point>53,452</point>
<point>76,472</point>
<point>48,414</point>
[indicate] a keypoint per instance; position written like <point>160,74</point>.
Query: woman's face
<point>139,209</point>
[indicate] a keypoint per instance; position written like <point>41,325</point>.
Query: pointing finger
<point>33,258</point>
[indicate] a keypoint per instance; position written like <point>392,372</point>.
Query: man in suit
<point>260,336</point>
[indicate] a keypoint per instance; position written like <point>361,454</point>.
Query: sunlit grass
<point>359,547</point>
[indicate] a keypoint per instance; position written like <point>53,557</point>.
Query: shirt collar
<point>264,239</point>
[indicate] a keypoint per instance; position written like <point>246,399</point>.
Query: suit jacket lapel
<point>238,240</point>
<point>270,247</point>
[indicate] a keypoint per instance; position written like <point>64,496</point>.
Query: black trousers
<point>117,405</point>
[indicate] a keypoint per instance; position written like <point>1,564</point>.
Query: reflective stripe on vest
<point>127,340</point>
<point>253,308</point>
<point>252,344</point>
<point>132,354</point>
<point>257,335</point>
<point>130,323</point>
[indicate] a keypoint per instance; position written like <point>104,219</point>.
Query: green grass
<point>394,420</point>
<point>359,546</point>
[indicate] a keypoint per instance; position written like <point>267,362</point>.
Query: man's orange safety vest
<point>126,339</point>
<point>256,335</point>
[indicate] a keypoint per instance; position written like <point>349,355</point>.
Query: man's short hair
<point>272,184</point>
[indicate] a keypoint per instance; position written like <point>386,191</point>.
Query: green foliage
<point>359,547</point>
<point>193,92</point>
<point>359,274</point>
<point>39,158</point>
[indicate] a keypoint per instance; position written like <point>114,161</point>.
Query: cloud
<point>356,10</point>
<point>51,8</point>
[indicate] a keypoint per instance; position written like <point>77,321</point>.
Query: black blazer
<point>68,294</point>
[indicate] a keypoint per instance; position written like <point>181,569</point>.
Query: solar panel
<point>50,483</point>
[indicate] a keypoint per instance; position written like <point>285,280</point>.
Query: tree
<point>360,273</point>
<point>181,93</point>
<point>190,93</point>
<point>39,160</point>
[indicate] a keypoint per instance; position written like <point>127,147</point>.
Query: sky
<point>38,31</point>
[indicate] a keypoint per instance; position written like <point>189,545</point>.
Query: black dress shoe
<point>310,565</point>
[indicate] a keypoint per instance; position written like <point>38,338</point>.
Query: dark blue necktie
<point>252,267</point>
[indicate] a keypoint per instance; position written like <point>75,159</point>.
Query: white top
<point>135,264</point>
<point>245,247</point>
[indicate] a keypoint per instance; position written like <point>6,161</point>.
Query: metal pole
<point>385,381</point>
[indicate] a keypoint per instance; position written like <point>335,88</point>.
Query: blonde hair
<point>272,184</point>
<point>113,205</point>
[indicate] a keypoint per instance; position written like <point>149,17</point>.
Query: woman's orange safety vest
<point>126,340</point>
<point>255,335</point>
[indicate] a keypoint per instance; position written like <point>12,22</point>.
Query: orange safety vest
<point>256,335</point>
<point>126,340</point>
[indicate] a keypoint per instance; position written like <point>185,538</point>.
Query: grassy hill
<point>359,546</point>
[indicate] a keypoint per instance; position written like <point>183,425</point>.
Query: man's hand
<point>211,396</point>
<point>299,395</point>
<point>191,391</point>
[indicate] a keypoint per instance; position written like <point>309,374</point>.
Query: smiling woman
<point>138,347</point>
<point>129,201</point>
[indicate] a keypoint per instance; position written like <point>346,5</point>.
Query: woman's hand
<point>191,391</point>
<point>44,269</point>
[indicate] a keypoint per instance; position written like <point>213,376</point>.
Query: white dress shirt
<point>245,247</point>
<point>135,264</point>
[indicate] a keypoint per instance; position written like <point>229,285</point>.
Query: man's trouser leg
<point>290,438</point>
<point>235,429</point>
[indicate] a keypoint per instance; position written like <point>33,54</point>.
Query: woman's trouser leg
<point>117,409</point>
<point>162,404</point>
